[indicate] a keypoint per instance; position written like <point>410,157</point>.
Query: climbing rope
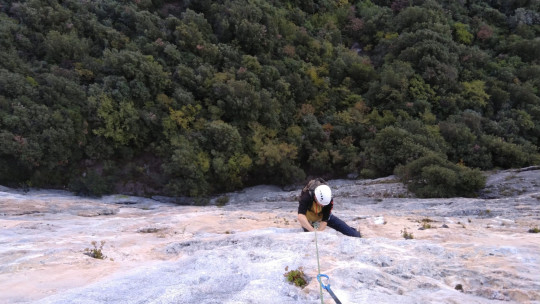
<point>319,275</point>
<point>316,226</point>
<point>327,287</point>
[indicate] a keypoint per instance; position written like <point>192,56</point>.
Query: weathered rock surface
<point>463,250</point>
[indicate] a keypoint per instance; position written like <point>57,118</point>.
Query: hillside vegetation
<point>200,97</point>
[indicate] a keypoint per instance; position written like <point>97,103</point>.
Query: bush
<point>437,182</point>
<point>187,169</point>
<point>96,252</point>
<point>297,277</point>
<point>506,154</point>
<point>434,176</point>
<point>90,184</point>
<point>470,181</point>
<point>391,147</point>
<point>407,235</point>
<point>222,201</point>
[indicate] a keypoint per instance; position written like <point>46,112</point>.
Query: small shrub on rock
<point>407,235</point>
<point>296,277</point>
<point>90,184</point>
<point>222,201</point>
<point>434,176</point>
<point>96,252</point>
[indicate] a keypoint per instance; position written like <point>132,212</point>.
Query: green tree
<point>187,169</point>
<point>461,34</point>
<point>434,176</point>
<point>60,47</point>
<point>391,92</point>
<point>474,95</point>
<point>391,147</point>
<point>166,93</point>
<point>465,145</point>
<point>275,160</point>
<point>119,120</point>
<point>506,154</point>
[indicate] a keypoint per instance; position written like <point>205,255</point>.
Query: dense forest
<point>194,98</point>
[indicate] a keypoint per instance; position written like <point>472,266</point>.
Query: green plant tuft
<point>426,223</point>
<point>96,252</point>
<point>222,201</point>
<point>534,230</point>
<point>297,277</point>
<point>407,235</point>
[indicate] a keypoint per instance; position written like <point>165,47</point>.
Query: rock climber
<point>315,206</point>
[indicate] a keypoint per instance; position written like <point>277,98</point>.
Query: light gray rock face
<point>462,250</point>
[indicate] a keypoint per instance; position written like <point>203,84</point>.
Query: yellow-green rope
<point>316,226</point>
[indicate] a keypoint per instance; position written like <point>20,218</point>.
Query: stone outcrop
<point>460,250</point>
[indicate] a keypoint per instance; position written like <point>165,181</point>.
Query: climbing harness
<point>319,275</point>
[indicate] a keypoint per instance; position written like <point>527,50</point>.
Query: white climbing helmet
<point>323,195</point>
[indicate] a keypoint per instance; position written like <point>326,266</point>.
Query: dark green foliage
<point>506,154</point>
<point>297,277</point>
<point>466,146</point>
<point>91,183</point>
<point>187,168</point>
<point>222,201</point>
<point>220,95</point>
<point>394,146</point>
<point>434,176</point>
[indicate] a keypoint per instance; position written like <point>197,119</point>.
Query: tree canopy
<point>199,97</point>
